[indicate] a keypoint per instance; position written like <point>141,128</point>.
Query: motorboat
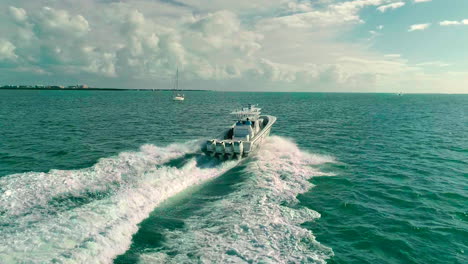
<point>243,137</point>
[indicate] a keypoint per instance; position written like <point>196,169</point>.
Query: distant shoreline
<point>93,89</point>
<point>200,90</point>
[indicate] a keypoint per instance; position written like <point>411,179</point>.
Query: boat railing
<point>265,128</point>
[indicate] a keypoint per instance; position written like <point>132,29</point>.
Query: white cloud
<point>239,6</point>
<point>390,6</point>
<point>209,46</point>
<point>60,23</point>
<point>334,14</point>
<point>18,14</point>
<point>311,19</point>
<point>449,23</point>
<point>300,7</point>
<point>7,51</point>
<point>434,64</point>
<point>422,1</point>
<point>453,22</point>
<point>260,44</point>
<point>58,42</point>
<point>419,27</point>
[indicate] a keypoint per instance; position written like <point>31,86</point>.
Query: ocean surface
<point>117,177</point>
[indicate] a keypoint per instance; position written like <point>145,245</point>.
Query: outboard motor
<point>220,147</point>
<point>238,148</point>
<point>211,145</point>
<point>229,149</point>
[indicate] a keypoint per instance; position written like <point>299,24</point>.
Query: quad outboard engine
<point>220,147</point>
<point>238,148</point>
<point>211,145</point>
<point>229,149</point>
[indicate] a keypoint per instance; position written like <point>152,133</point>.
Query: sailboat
<point>177,96</point>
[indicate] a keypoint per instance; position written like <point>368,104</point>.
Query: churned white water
<point>257,223</point>
<point>50,217</point>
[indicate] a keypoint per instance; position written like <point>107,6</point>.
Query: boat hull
<point>223,147</point>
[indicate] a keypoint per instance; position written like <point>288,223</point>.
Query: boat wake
<point>90,215</point>
<point>259,222</point>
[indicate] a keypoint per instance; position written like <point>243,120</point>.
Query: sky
<point>409,46</point>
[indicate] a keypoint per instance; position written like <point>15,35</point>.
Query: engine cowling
<point>229,148</point>
<point>220,146</point>
<point>211,145</point>
<point>238,147</point>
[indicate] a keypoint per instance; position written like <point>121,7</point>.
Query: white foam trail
<point>21,192</point>
<point>252,224</point>
<point>34,231</point>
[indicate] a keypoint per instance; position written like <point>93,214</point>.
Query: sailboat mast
<point>177,96</point>
<point>177,79</point>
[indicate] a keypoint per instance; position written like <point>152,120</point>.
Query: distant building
<point>81,86</point>
<point>46,87</point>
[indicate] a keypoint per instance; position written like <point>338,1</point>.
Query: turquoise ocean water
<point>116,177</point>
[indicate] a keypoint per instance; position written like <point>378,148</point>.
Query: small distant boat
<point>177,96</point>
<point>400,94</point>
<point>242,138</point>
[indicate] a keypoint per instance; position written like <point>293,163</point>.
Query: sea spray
<point>35,230</point>
<point>257,222</point>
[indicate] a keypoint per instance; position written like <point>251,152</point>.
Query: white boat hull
<point>224,147</point>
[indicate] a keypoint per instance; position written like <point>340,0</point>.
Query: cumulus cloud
<point>422,1</point>
<point>145,46</point>
<point>205,46</point>
<point>289,44</point>
<point>221,30</point>
<point>300,6</point>
<point>417,27</point>
<point>18,14</point>
<point>56,41</point>
<point>7,50</point>
<point>396,5</point>
<point>51,21</point>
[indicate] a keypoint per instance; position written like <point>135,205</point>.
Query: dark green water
<point>80,171</point>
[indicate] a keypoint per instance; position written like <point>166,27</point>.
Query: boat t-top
<point>243,137</point>
<point>177,96</point>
